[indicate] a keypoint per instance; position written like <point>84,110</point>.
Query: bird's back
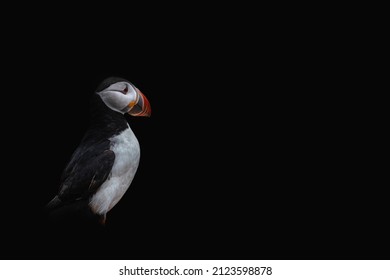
<point>103,166</point>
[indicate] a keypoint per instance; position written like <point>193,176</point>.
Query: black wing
<point>88,169</point>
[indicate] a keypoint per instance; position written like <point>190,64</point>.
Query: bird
<point>105,162</point>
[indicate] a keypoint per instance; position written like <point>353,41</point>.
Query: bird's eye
<point>126,89</point>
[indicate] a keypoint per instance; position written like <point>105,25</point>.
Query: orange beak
<point>141,107</point>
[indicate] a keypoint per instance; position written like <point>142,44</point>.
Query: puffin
<point>105,162</point>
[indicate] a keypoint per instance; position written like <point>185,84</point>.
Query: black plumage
<point>91,163</point>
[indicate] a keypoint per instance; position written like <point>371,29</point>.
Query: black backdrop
<point>250,152</point>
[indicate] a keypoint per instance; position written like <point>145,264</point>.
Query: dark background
<point>255,148</point>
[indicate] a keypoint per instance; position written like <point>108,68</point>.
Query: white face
<point>120,96</point>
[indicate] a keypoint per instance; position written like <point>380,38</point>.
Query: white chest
<point>127,154</point>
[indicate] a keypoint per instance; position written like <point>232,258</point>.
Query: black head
<point>121,96</point>
<point>109,81</point>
